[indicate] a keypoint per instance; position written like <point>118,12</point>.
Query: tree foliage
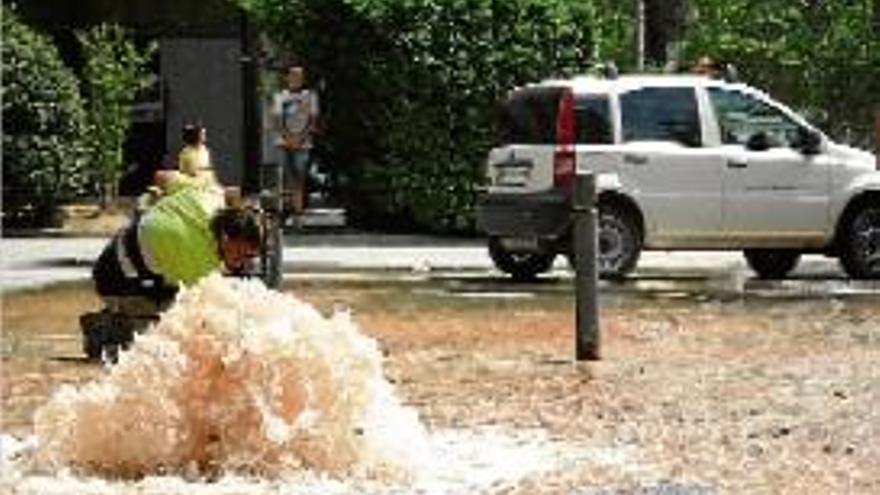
<point>820,56</point>
<point>115,71</point>
<point>410,88</point>
<point>43,120</point>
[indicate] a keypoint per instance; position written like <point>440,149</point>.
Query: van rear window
<point>529,117</point>
<point>593,125</point>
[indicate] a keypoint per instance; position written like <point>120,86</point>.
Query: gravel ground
<point>690,397</point>
<point>736,397</point>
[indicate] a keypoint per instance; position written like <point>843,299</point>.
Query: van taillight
<point>877,139</point>
<point>564,165</point>
<point>564,157</point>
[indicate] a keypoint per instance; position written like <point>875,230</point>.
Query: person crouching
<point>187,234</point>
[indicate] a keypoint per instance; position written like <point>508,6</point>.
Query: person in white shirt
<point>294,112</point>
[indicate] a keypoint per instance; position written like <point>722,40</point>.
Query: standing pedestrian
<point>294,112</point>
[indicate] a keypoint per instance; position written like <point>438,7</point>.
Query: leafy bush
<point>42,124</point>
<point>821,57</point>
<point>115,71</point>
<point>411,86</point>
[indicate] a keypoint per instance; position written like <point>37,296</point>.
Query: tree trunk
<point>664,24</point>
<point>640,34</point>
<point>877,18</point>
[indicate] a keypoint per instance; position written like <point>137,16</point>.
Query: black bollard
<point>585,247</point>
<point>271,184</point>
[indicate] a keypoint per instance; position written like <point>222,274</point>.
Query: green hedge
<point>115,71</point>
<point>43,120</point>
<point>411,88</point>
<point>822,58</point>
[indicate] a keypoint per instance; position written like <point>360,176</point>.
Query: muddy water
<point>486,460</point>
<point>234,379</point>
<point>241,390</point>
<point>712,368</point>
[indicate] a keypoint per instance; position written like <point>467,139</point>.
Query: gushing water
<point>242,390</point>
<point>236,378</point>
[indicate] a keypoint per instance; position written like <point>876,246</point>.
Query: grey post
<point>877,133</point>
<point>585,247</point>
<point>271,183</point>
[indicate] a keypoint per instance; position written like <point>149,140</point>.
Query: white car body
<point>714,195</point>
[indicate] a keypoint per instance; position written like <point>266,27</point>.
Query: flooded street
<point>710,382</point>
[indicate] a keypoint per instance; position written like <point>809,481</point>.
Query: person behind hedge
<point>295,112</point>
<point>187,234</point>
<point>194,159</point>
<point>193,166</point>
<point>707,66</point>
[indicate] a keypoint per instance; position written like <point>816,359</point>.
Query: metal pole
<point>270,201</point>
<point>585,247</point>
<point>877,134</point>
<point>640,35</point>
<point>251,127</point>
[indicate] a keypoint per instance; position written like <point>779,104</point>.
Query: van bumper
<point>542,215</point>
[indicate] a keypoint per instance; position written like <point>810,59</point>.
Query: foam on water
<point>235,379</point>
<point>240,390</point>
<point>485,460</point>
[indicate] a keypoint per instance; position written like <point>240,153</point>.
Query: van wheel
<point>771,263</point>
<point>620,242</point>
<point>860,253</point>
<point>521,265</point>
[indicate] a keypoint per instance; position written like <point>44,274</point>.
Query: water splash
<point>482,460</point>
<point>236,378</point>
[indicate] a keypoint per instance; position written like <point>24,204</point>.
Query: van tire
<point>523,266</point>
<point>771,263</point>
<point>620,241</point>
<point>860,242</point>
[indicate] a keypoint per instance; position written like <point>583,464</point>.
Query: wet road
<point>796,392</point>
<point>698,276</point>
<point>464,266</point>
<point>696,287</point>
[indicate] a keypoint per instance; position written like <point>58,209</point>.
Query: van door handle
<point>737,163</point>
<point>634,159</point>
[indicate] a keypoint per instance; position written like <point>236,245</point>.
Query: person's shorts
<point>296,164</point>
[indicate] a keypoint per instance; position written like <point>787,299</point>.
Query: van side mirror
<point>808,142</point>
<point>758,141</point>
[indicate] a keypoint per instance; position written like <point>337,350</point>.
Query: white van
<point>681,162</point>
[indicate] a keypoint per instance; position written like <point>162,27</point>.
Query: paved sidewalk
<point>38,261</point>
<point>33,262</point>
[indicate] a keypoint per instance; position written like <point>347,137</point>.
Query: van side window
<point>661,114</point>
<point>529,117</point>
<point>591,120</point>
<point>741,116</point>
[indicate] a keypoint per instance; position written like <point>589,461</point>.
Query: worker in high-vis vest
<point>187,234</point>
